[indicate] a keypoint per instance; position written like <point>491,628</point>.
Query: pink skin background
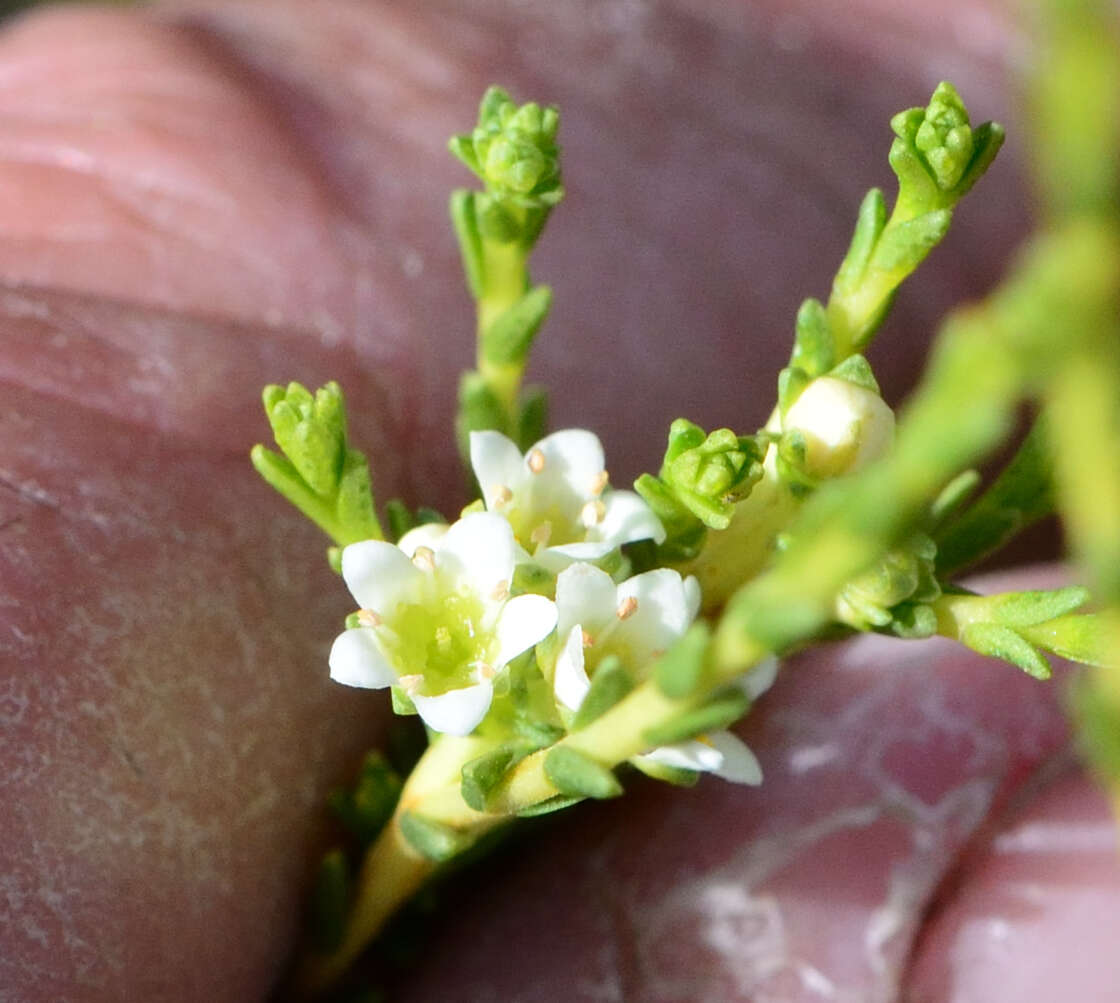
<point>201,198</point>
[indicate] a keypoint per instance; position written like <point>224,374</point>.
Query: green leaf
<point>366,808</point>
<point>998,641</point>
<point>549,805</point>
<point>399,518</point>
<point>675,775</point>
<point>1098,725</point>
<point>480,776</point>
<point>953,497</point>
<point>1028,609</point>
<point>1083,638</point>
<point>856,369</point>
<point>433,840</point>
<point>905,245</point>
<point>723,710</point>
<point>869,225</point>
<point>330,903</point>
<point>479,410</point>
<point>356,517</point>
<point>508,339</point>
<point>680,671</point>
<point>402,702</point>
<point>532,420</point>
<point>610,683</point>
<point>465,223</point>
<point>813,349</point>
<point>573,773</point>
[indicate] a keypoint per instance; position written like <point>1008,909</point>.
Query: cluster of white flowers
<point>438,621</point>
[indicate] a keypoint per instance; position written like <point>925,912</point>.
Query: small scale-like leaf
<point>433,840</point>
<point>674,775</point>
<point>723,710</point>
<point>549,805</point>
<point>508,339</point>
<point>997,641</point>
<point>681,669</point>
<point>1027,609</point>
<point>578,775</point>
<point>609,685</point>
<point>905,245</point>
<point>480,776</point>
<point>330,902</point>
<point>869,225</point>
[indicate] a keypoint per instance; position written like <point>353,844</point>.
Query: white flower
<point>637,621</point>
<point>556,497</point>
<point>845,426</point>
<point>439,621</point>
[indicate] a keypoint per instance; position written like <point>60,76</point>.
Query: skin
<point>202,198</point>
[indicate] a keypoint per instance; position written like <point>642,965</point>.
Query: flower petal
<point>692,596</point>
<point>497,464</point>
<point>456,712</point>
<point>585,595</point>
<point>662,615</point>
<point>479,552</point>
<point>427,535</point>
<point>571,683</point>
<point>378,574</point>
<point>573,464</point>
<point>686,756</point>
<point>357,660</point>
<point>760,678</point>
<point>627,518</point>
<point>739,764</point>
<point>524,621</point>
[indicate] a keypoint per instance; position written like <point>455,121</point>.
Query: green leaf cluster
<point>316,469</point>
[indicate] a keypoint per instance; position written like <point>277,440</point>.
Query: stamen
<point>410,684</point>
<point>424,559</point>
<point>536,461</point>
<point>443,639</point>
<point>627,608</point>
<point>599,484</point>
<point>588,640</point>
<point>500,591</point>
<point>502,496</point>
<point>592,513</point>
<point>541,534</point>
<point>368,618</point>
<point>485,670</point>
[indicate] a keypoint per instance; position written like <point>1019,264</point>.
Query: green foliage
<point>680,671</point>
<point>577,775</point>
<point>369,804</point>
<point>316,470</point>
<point>481,775</point>
<point>610,683</point>
<point>330,902</point>
<point>724,709</point>
<point>434,840</point>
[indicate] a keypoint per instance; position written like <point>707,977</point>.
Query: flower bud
<point>844,426</point>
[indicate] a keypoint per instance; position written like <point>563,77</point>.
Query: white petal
<point>628,518</point>
<point>574,459</point>
<point>571,683</point>
<point>456,712</point>
<point>427,535</point>
<point>524,621</point>
<point>662,615</point>
<point>584,595</point>
<point>686,756</point>
<point>356,660</point>
<point>692,596</point>
<point>479,552</point>
<point>497,464</point>
<point>760,678</point>
<point>378,574</point>
<point>739,764</point>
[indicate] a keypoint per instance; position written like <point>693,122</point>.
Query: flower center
<point>445,642</point>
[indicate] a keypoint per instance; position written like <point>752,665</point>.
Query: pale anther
<point>368,618</point>
<point>410,684</point>
<point>485,670</point>
<point>536,461</point>
<point>541,534</point>
<point>599,484</point>
<point>588,640</point>
<point>500,591</point>
<point>424,559</point>
<point>593,513</point>
<point>627,608</point>
<point>502,496</point>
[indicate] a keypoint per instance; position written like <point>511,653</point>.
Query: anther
<point>588,640</point>
<point>627,608</point>
<point>541,534</point>
<point>536,461</point>
<point>593,513</point>
<point>368,618</point>
<point>410,684</point>
<point>502,496</point>
<point>424,558</point>
<point>500,591</point>
<point>485,670</point>
<point>599,484</point>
